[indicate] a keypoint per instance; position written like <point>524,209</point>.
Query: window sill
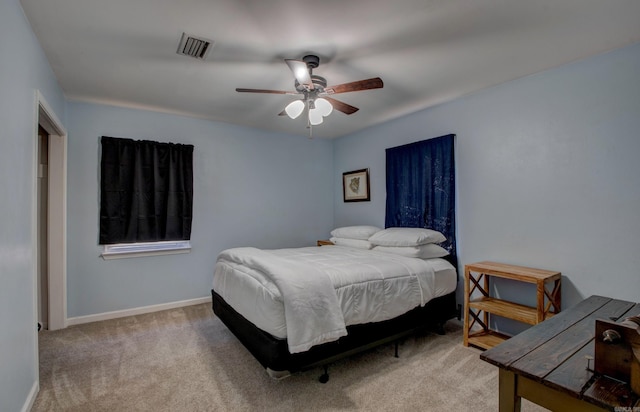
<point>131,250</point>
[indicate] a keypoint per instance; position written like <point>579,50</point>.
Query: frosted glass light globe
<point>294,108</point>
<point>324,106</point>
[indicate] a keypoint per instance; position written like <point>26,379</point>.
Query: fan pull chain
<point>309,126</point>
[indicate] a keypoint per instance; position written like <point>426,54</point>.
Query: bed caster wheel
<point>324,378</point>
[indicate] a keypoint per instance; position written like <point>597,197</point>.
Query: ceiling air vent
<point>193,46</point>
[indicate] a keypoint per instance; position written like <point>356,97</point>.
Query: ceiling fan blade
<point>301,72</point>
<point>241,90</point>
<point>341,106</point>
<point>368,84</point>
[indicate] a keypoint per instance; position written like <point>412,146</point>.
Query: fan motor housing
<point>319,83</point>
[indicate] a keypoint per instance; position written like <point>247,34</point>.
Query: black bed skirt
<point>273,353</point>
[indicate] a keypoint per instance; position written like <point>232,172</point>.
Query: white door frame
<point>57,214</point>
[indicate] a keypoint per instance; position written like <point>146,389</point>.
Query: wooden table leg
<point>508,391</point>
<point>540,301</point>
<point>485,292</point>
<point>467,292</point>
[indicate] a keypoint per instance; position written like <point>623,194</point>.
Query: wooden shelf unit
<point>477,310</point>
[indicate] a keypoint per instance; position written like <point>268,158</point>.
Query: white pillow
<point>406,236</point>
<point>428,251</point>
<point>355,232</point>
<point>356,243</point>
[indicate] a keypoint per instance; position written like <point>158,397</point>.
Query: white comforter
<point>311,305</point>
<point>347,286</point>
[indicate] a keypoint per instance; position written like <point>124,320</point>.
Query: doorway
<point>50,217</point>
<point>42,204</point>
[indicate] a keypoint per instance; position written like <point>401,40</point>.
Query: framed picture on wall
<point>355,186</point>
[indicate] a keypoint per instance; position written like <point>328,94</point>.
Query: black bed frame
<point>273,353</point>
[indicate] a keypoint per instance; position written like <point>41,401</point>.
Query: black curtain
<point>146,191</point>
<point>421,187</point>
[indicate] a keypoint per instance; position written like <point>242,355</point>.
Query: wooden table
<point>549,363</point>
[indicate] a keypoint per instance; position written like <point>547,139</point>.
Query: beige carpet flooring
<point>186,360</point>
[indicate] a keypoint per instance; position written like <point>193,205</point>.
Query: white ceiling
<point>123,52</point>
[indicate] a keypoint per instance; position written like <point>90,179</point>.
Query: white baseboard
<point>31,398</point>
<point>135,311</point>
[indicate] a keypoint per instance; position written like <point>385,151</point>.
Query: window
<point>121,250</point>
<point>421,187</point>
<point>146,197</point>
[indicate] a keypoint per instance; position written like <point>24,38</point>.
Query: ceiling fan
<point>315,93</point>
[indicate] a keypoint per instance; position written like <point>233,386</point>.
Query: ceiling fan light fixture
<point>311,87</point>
<point>315,117</point>
<point>324,106</point>
<point>294,109</point>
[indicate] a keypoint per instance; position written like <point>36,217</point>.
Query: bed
<point>343,300</point>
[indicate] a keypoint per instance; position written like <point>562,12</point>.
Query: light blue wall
<point>23,69</point>
<point>547,173</point>
<point>251,188</point>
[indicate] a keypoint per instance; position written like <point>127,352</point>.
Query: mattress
<point>371,286</point>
